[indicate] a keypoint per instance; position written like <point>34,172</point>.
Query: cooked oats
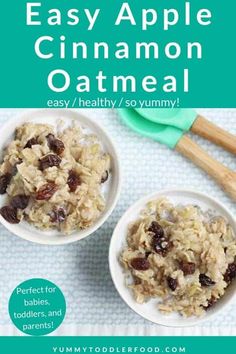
<point>61,173</point>
<point>181,256</point>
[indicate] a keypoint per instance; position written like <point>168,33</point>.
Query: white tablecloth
<point>81,269</point>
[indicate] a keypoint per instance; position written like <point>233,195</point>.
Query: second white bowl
<point>149,310</point>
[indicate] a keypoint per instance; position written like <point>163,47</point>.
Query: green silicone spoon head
<point>164,134</point>
<point>176,117</point>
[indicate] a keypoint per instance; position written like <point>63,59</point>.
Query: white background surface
<point>81,269</point>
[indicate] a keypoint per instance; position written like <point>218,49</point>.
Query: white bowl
<point>149,309</point>
<point>111,191</point>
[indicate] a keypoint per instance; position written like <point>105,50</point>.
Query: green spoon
<point>188,119</point>
<point>176,117</point>
<point>164,134</point>
<point>176,139</point>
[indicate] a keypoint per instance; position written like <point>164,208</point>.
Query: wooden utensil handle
<point>222,175</point>
<point>215,134</point>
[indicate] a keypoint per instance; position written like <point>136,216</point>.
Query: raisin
<point>205,280</point>
<point>31,142</point>
<point>58,215</point>
<point>147,254</point>
<point>140,264</point>
<point>172,283</point>
<point>105,177</point>
<point>50,138</point>
<point>9,214</point>
<point>49,161</point>
<point>230,273</point>
<point>156,229</point>
<point>210,303</point>
<point>4,181</point>
<point>73,181</point>
<point>161,245</point>
<point>188,268</point>
<point>46,191</point>
<point>14,168</point>
<point>55,144</point>
<point>20,201</point>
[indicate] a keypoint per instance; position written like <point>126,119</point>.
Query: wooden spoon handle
<point>215,134</point>
<point>222,175</point>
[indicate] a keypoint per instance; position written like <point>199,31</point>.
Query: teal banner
<point>117,53</point>
<point>117,345</point>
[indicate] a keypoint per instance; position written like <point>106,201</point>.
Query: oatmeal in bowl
<point>56,175</point>
<point>177,258</point>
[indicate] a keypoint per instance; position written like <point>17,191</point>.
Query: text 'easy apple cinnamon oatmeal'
<point>181,256</point>
<point>54,180</point>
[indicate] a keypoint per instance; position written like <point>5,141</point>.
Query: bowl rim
<point>136,205</point>
<point>24,116</point>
